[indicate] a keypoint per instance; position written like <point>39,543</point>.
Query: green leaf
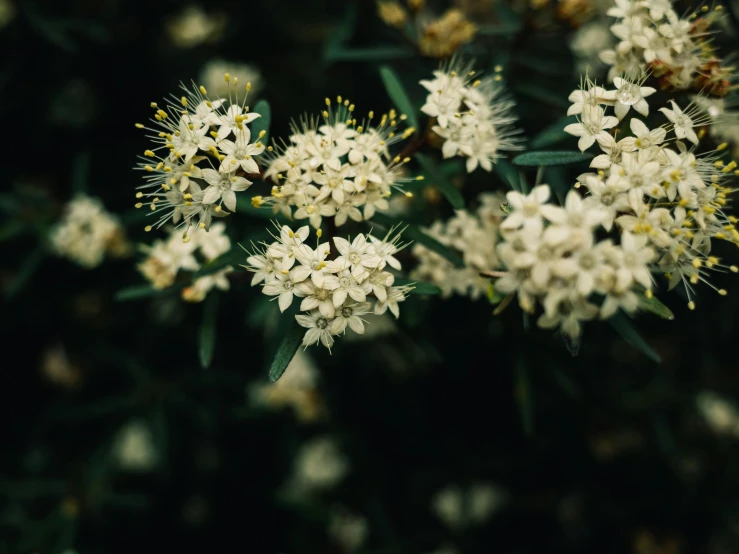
<point>623,326</point>
<point>437,177</point>
<point>414,233</point>
<point>342,32</point>
<point>397,94</point>
<point>207,335</point>
<point>378,53</point>
<point>655,306</point>
<point>286,350</point>
<point>553,134</point>
<point>420,287</point>
<point>81,173</point>
<point>136,292</point>
<point>507,172</point>
<point>551,158</point>
<point>231,258</point>
<point>25,272</point>
<point>261,123</point>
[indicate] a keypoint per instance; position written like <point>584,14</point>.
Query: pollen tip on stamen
<point>691,305</point>
<point>147,228</point>
<point>138,205</point>
<point>722,292</point>
<point>227,77</point>
<point>319,233</point>
<point>408,194</point>
<point>202,90</point>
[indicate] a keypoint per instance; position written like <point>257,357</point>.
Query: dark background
<point>596,452</point>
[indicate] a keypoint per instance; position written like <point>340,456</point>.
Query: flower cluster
<point>333,167</point>
<point>335,292</point>
<point>202,151</point>
<point>552,256</point>
<point>472,116</point>
<point>654,38</point>
<point>653,184</point>
<point>87,232</point>
<point>164,260</point>
<point>474,235</point>
<point>438,36</point>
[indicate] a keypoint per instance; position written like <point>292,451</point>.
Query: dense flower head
<point>474,235</point>
<point>86,232</point>
<point>336,167</point>
<point>655,184</point>
<point>654,38</point>
<point>203,152</point>
<point>334,291</point>
<point>473,117</point>
<point>166,258</point>
<point>552,257</point>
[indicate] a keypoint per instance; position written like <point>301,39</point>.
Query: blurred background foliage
<point>450,430</point>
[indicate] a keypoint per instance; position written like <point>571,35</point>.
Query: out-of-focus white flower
<point>7,12</point>
<point>473,117</point>
<point>134,448</point>
<point>348,530</point>
<point>720,414</point>
<point>297,388</point>
<point>319,466</point>
<point>212,77</point>
<point>653,38</point>
<point>203,285</point>
<point>587,42</point>
<point>459,508</point>
<point>474,235</point>
<point>86,232</point>
<point>193,26</point>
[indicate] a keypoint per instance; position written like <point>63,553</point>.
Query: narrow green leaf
<point>378,53</point>
<point>207,335</point>
<point>437,177</point>
<point>342,32</point>
<point>414,233</point>
<point>655,306</point>
<point>233,257</point>
<point>551,158</point>
<point>261,123</point>
<point>81,173</point>
<point>25,272</point>
<point>137,291</point>
<point>420,287</point>
<point>553,134</point>
<point>507,172</point>
<point>397,94</point>
<point>286,350</point>
<point>12,229</point>
<point>623,326</point>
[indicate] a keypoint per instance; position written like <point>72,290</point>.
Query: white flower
<point>682,123</point>
<point>265,267</point>
<point>234,120</point>
<point>213,243</point>
<point>313,263</point>
<point>636,256</point>
<point>589,96</point>
<point>240,154</point>
<point>349,315</point>
<point>223,186</point>
<point>630,94</point>
<point>319,329</point>
<point>356,256</point>
<point>188,141</point>
<point>591,126</point>
<point>319,297</point>
<point>394,296</point>
<point>283,286</point>
<point>646,138</point>
<point>526,208</point>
